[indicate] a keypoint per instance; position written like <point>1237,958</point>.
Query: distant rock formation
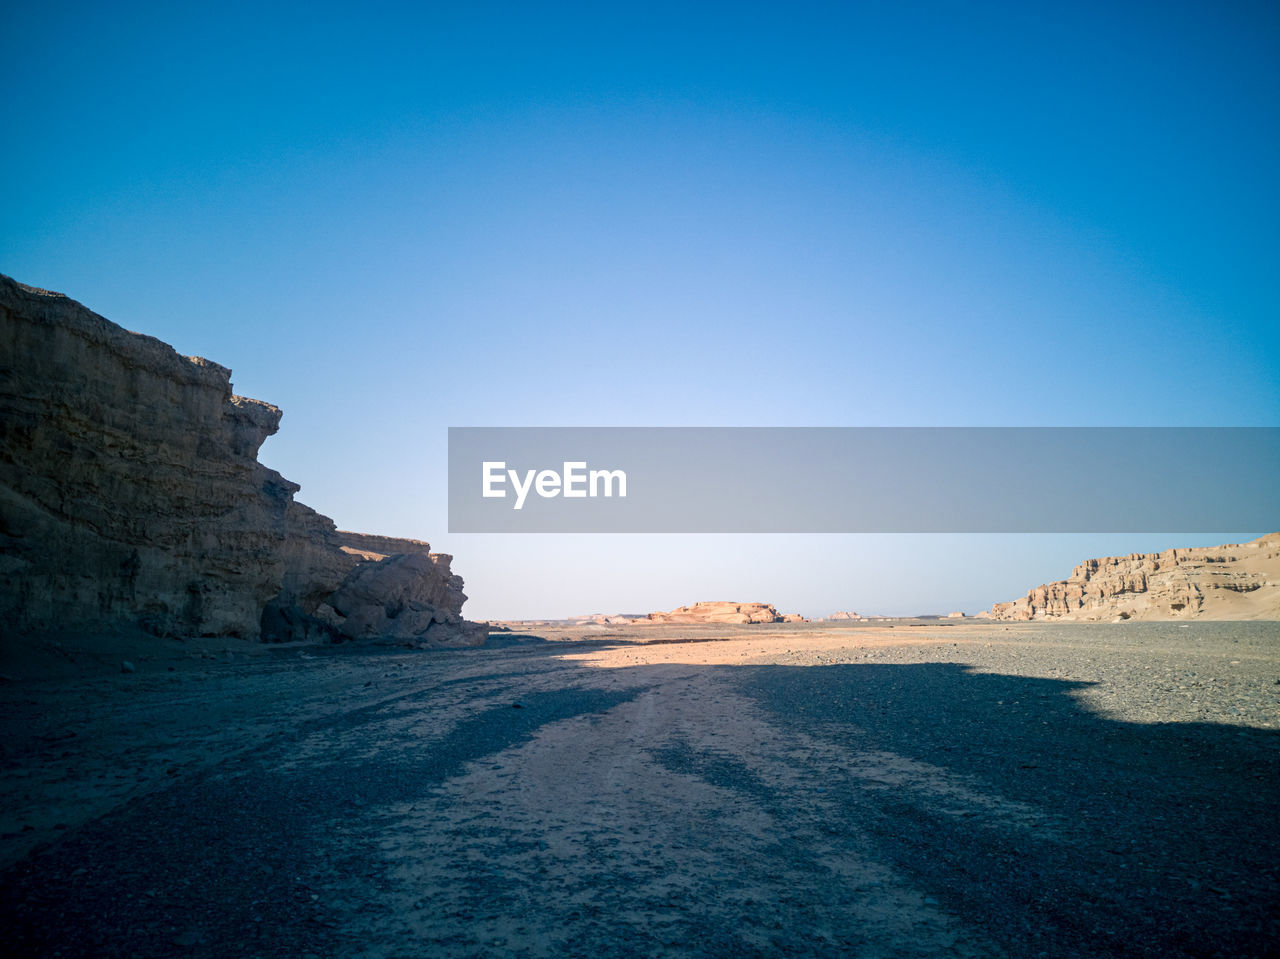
<point>131,495</point>
<point>603,619</point>
<point>719,613</point>
<point>844,616</point>
<point>1220,582</point>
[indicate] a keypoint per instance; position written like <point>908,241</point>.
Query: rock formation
<point>131,495</point>
<point>719,612</point>
<point>604,619</point>
<point>1219,582</point>
<point>844,616</point>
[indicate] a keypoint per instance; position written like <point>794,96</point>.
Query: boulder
<point>412,597</point>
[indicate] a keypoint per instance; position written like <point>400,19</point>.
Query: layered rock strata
<point>131,495</point>
<point>1230,582</point>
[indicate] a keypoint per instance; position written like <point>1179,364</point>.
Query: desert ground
<point>914,789</point>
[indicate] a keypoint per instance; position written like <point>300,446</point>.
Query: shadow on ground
<point>1013,809</point>
<point>1151,840</point>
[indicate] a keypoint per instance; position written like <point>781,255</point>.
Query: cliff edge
<point>131,495</point>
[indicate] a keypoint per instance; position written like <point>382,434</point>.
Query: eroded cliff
<point>131,495</point>
<point>1220,582</point>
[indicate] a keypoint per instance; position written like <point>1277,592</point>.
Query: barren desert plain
<point>907,788</point>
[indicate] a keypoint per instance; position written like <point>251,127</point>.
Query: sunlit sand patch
<point>655,645</point>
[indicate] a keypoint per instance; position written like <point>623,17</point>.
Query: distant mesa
<point>600,619</point>
<point>1233,582</point>
<point>727,613</point>
<point>724,612</point>
<point>845,616</point>
<point>131,496</point>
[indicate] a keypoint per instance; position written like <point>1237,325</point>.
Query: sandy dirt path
<point>684,791</point>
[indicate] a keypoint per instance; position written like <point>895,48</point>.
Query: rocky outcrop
<point>1221,582</point>
<point>410,596</point>
<point>343,585</point>
<point>719,612</point>
<point>131,495</point>
<point>844,616</point>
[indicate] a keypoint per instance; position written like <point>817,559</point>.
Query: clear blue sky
<point>393,218</point>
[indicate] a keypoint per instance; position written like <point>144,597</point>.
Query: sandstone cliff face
<point>1221,582</point>
<point>131,494</point>
<point>719,612</point>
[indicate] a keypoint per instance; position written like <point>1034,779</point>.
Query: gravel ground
<point>801,790</point>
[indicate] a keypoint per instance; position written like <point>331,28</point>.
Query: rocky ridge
<point>1232,582</point>
<point>131,496</point>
